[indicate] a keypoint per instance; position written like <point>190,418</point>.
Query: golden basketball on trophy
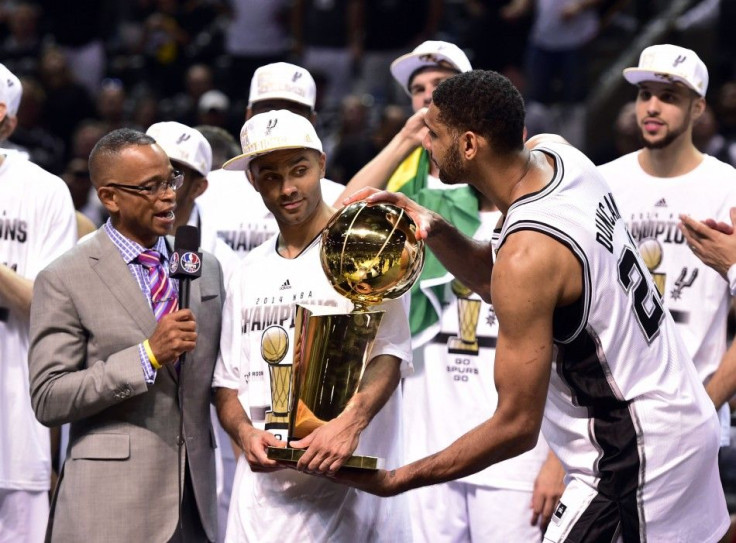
<point>369,253</point>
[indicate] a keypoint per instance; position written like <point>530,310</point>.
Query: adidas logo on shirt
<point>286,285</point>
<point>661,203</point>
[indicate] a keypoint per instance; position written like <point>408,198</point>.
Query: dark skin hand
<point>175,334</point>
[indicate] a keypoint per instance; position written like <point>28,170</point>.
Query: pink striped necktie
<point>163,294</point>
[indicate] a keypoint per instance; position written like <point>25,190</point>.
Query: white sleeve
<point>731,275</point>
<point>59,224</point>
<point>394,337</point>
<point>227,369</point>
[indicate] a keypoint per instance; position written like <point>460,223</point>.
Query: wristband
<point>151,356</point>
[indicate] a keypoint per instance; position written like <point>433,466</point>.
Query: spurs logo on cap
<point>679,60</point>
<point>184,137</point>
<point>271,125</point>
<point>295,77</point>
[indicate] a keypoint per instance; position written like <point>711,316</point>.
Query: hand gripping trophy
<point>369,253</point>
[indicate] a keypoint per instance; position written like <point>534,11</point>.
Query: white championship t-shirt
<point>288,505</point>
<point>37,224</point>
<point>697,296</point>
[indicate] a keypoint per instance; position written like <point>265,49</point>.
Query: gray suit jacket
<point>120,480</point>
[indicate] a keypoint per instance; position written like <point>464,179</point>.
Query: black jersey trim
<point>554,182</point>
<point>573,246</point>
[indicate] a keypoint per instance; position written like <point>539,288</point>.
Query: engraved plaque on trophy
<point>369,253</point>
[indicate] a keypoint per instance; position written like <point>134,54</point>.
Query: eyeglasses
<point>156,189</point>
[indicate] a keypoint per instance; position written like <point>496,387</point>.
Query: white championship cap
<point>430,53</point>
<point>213,99</point>
<point>283,81</point>
<point>183,144</point>
<point>273,131</point>
<point>10,90</point>
<point>670,63</point>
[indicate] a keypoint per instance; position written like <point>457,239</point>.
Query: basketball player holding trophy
<point>283,159</point>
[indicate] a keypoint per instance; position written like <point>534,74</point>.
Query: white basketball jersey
<point>37,224</point>
<point>626,412</point>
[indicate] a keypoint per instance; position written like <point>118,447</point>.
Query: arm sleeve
<point>227,368</point>
<point>732,279</point>
<point>393,335</point>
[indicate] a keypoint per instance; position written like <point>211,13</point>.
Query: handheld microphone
<point>186,261</point>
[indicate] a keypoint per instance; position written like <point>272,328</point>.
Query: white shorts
<point>23,516</point>
<point>458,512</point>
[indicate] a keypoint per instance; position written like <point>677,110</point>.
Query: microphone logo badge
<point>190,262</point>
<point>174,263</point>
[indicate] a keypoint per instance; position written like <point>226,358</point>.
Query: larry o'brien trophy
<point>368,253</point>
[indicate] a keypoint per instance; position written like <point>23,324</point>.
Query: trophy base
<point>455,345</point>
<point>288,454</point>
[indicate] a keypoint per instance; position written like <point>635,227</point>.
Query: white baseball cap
<point>283,81</point>
<point>430,53</point>
<point>672,63</point>
<point>183,144</point>
<point>213,99</point>
<point>273,131</point>
<point>10,90</point>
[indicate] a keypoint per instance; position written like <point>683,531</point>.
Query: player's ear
<point>322,163</point>
<point>698,107</point>
<point>469,143</point>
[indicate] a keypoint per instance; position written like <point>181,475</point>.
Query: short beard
<point>664,142</point>
<point>669,138</point>
<point>452,172</point>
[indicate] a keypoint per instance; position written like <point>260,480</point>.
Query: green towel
<point>459,206</point>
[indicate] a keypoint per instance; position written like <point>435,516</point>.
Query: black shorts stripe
<point>604,520</point>
<point>613,428</point>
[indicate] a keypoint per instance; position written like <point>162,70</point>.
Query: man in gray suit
<point>106,354</point>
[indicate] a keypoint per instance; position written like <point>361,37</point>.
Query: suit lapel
<point>114,272</point>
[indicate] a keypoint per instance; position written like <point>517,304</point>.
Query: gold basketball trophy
<point>369,253</point>
<point>274,346</point>
<point>651,252</point>
<point>468,311</point>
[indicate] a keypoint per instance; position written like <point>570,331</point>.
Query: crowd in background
<point>111,63</point>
